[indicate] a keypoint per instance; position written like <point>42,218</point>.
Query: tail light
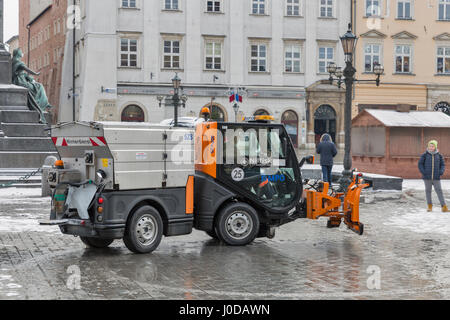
<point>101,200</point>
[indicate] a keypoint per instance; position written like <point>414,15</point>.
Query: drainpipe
<point>73,62</point>
<point>29,40</point>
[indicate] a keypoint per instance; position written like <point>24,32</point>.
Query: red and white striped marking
<point>79,142</point>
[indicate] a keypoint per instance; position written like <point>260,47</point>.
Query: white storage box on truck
<point>111,170</point>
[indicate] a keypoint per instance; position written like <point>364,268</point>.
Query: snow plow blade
<point>337,207</point>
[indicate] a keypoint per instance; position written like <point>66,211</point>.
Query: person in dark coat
<point>327,151</point>
<point>432,167</point>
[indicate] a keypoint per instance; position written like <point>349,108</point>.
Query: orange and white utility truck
<point>138,182</point>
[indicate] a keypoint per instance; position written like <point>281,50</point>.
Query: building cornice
<point>373,34</point>
<point>404,35</point>
<point>442,37</point>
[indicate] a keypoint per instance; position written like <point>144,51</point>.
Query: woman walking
<point>327,151</point>
<point>432,167</point>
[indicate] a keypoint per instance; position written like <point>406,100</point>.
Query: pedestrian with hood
<point>432,167</point>
<point>327,151</point>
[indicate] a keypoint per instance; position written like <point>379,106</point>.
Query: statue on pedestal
<point>21,77</point>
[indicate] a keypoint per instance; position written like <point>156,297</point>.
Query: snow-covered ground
<point>419,185</point>
<point>19,192</point>
<point>22,208</point>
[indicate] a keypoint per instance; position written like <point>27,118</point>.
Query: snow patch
<point>24,225</point>
<point>422,222</point>
<point>418,184</point>
<point>20,192</point>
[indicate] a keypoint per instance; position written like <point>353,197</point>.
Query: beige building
<point>411,39</point>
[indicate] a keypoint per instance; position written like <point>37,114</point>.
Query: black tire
<point>96,243</point>
<point>212,234</point>
<point>144,230</point>
<point>237,224</point>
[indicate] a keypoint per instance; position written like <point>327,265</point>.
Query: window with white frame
<point>171,5</point>
<point>292,58</point>
<point>372,56</point>
<point>213,55</point>
<point>444,9</point>
<point>258,6</point>
<point>128,52</point>
<point>258,57</point>
<point>326,8</point>
<point>172,54</point>
<point>293,8</point>
<point>128,3</point>
<point>326,55</point>
<point>214,6</point>
<point>443,60</point>
<point>404,9</point>
<point>403,59</point>
<point>373,8</point>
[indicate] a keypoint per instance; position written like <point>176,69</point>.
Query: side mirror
<point>308,160</point>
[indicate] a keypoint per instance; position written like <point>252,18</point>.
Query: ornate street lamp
<point>176,98</point>
<point>349,41</point>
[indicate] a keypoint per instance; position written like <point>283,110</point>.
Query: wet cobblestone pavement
<point>409,248</point>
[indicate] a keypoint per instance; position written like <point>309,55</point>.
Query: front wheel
<point>237,224</point>
<point>144,230</point>
<point>96,242</point>
<point>212,234</point>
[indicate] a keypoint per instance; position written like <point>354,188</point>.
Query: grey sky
<point>11,16</point>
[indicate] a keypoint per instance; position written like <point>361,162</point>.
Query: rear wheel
<point>96,242</point>
<point>144,230</point>
<point>237,224</point>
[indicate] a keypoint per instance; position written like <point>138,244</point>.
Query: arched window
<point>133,113</point>
<point>325,122</point>
<point>217,113</point>
<point>443,107</point>
<point>290,121</point>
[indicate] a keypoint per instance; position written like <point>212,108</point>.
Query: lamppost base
<point>345,180</point>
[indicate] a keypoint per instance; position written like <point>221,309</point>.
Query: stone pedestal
<point>24,143</point>
<point>5,66</point>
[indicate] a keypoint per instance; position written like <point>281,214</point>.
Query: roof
<point>13,38</point>
<point>391,118</point>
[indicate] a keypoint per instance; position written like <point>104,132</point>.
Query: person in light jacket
<point>327,151</point>
<point>432,167</point>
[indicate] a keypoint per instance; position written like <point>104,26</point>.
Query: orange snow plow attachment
<point>337,206</point>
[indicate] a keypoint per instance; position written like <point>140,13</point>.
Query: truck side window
<point>257,161</point>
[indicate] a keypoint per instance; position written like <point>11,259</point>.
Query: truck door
<point>259,162</point>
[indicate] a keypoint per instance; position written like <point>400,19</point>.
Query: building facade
<point>42,37</point>
<point>411,39</point>
<point>273,50</point>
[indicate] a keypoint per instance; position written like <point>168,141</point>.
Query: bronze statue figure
<point>21,77</point>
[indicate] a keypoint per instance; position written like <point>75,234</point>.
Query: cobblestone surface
<point>306,260</point>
